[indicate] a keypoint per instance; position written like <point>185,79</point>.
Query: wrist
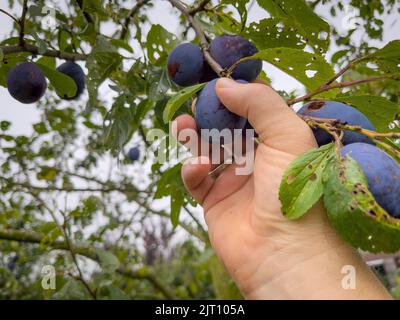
<point>316,274</point>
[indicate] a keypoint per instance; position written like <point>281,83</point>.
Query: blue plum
<point>185,64</point>
<point>134,154</point>
<point>210,113</point>
<point>74,71</point>
<point>342,112</point>
<point>382,173</point>
<point>26,82</point>
<point>227,49</point>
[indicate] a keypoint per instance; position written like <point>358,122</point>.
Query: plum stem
<point>200,34</point>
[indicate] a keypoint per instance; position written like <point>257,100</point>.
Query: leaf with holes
<point>159,43</point>
<point>301,185</point>
<point>353,211</point>
<point>178,100</point>
<point>314,30</point>
<point>387,58</point>
<point>240,6</point>
<point>312,70</point>
<point>272,33</point>
<point>379,110</point>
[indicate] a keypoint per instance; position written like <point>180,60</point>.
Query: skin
<point>267,255</point>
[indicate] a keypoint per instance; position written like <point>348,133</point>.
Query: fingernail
<point>226,83</point>
<point>197,160</point>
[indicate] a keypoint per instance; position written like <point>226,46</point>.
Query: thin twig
<point>75,260</point>
<point>50,53</point>
<point>199,7</point>
<point>335,86</point>
<point>10,15</point>
<point>134,10</point>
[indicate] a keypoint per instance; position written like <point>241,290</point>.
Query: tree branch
<point>88,252</point>
<point>336,124</point>
<point>200,34</point>
<point>134,10</point>
<point>335,86</point>
<point>22,22</point>
<point>50,53</point>
<point>199,7</point>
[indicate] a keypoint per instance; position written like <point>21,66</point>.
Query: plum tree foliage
<point>70,196</point>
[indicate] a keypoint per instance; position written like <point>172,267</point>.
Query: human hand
<point>268,255</point>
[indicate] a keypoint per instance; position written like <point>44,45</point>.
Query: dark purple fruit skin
<point>26,82</point>
<point>208,73</point>
<point>185,64</point>
<point>134,154</point>
<point>74,71</point>
<point>341,111</point>
<point>212,114</point>
<point>227,49</point>
<point>382,173</point>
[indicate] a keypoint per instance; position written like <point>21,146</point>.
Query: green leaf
<point>379,110</point>
<point>301,185</point>
<point>63,37</point>
<point>387,58</point>
<point>49,62</point>
<point>108,291</point>
<point>101,63</point>
<point>179,99</point>
<point>72,290</point>
<point>64,85</point>
<point>108,261</point>
<point>120,129</point>
<point>310,25</point>
<point>176,205</point>
<point>1,54</point>
<point>158,83</point>
<point>353,211</point>
<point>271,33</point>
<point>170,184</point>
<point>240,6</point>
<point>121,44</point>
<point>159,42</point>
<point>311,70</point>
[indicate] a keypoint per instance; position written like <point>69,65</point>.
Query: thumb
<point>278,125</point>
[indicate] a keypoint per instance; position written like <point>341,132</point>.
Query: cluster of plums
<point>27,83</point>
<point>381,170</point>
<point>186,66</point>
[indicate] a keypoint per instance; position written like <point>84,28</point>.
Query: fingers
<point>196,179</point>
<point>277,125</point>
<point>184,129</point>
